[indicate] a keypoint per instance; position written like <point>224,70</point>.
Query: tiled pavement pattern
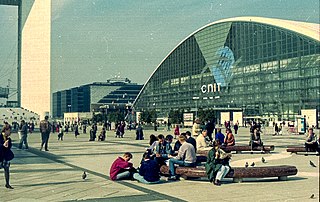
<point>56,175</point>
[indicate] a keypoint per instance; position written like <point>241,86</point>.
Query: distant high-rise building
<point>34,57</point>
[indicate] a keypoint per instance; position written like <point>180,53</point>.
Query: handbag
<point>9,155</point>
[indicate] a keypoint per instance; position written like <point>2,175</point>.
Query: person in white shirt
<point>202,142</point>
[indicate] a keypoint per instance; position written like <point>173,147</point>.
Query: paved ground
<point>56,175</point>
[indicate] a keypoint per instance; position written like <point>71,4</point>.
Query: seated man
<point>186,157</point>
<point>163,149</point>
<point>311,143</point>
<point>191,140</point>
<point>255,139</point>
<point>149,172</point>
<point>121,168</point>
<point>219,136</point>
<point>229,139</point>
<point>202,142</point>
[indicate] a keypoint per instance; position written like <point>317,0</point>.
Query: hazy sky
<point>93,40</point>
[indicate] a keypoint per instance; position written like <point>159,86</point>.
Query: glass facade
<point>253,67</point>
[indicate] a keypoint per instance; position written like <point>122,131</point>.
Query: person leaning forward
<point>217,165</point>
<point>121,168</point>
<point>186,157</point>
<point>45,129</point>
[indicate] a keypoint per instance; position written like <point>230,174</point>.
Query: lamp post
<point>196,100</point>
<point>69,108</point>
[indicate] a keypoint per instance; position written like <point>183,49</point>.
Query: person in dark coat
<point>149,172</point>
<point>191,140</point>
<point>217,165</point>
<point>6,155</point>
<point>210,128</point>
<point>139,133</point>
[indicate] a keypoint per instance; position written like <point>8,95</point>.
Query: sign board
<point>237,117</point>
<point>301,126</point>
<point>310,116</point>
<point>187,119</point>
<point>225,116</point>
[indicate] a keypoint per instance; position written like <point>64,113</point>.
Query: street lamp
<point>196,100</point>
<point>69,108</point>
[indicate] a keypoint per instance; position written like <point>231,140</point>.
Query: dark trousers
<point>45,140</point>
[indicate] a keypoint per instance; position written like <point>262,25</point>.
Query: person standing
<point>210,128</point>
<point>76,130</point>
<point>236,127</point>
<point>139,132</point>
<point>45,129</point>
<point>24,135</point>
<point>6,155</point>
<point>121,129</point>
<point>196,128</point>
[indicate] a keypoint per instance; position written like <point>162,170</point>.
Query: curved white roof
<point>311,30</point>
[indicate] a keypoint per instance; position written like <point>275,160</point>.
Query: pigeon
<point>252,164</point>
<point>312,196</point>
<point>312,164</point>
<point>263,160</point>
<point>84,175</point>
<point>246,165</point>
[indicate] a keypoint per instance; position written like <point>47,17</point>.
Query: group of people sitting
<point>183,154</point>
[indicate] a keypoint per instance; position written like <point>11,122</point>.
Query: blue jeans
<point>123,175</point>
<point>140,178</point>
<point>173,162</point>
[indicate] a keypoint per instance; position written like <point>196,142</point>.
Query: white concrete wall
<point>35,55</point>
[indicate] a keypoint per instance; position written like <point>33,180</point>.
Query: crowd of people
<point>162,149</point>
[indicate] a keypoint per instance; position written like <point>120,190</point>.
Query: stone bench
<point>239,149</point>
<point>298,149</point>
<point>237,173</point>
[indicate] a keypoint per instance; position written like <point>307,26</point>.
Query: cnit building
<point>256,66</point>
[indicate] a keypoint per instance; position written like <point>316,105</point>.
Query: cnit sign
<point>210,88</point>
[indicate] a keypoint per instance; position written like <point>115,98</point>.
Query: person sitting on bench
<point>229,139</point>
<point>311,143</point>
<point>162,150</point>
<point>202,142</point>
<point>217,165</point>
<point>186,157</point>
<point>255,140</point>
<point>149,172</point>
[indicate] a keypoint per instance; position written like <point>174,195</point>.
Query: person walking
<point>6,155</point>
<point>24,135</point>
<point>45,129</point>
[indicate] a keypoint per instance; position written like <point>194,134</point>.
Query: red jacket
<point>117,166</point>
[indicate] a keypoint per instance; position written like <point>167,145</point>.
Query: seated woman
<point>217,165</point>
<point>255,139</point>
<point>149,172</point>
<point>229,139</point>
<point>311,143</point>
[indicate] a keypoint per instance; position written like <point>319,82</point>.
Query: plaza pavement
<point>56,175</point>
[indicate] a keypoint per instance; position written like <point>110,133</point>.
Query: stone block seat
<point>239,149</point>
<point>237,173</point>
